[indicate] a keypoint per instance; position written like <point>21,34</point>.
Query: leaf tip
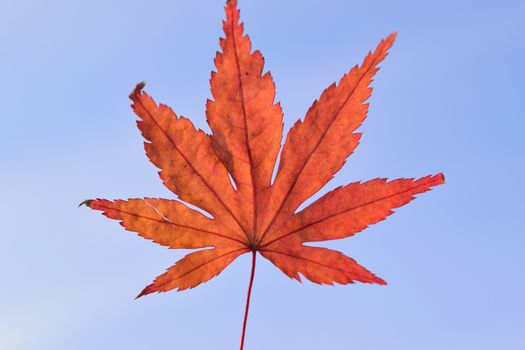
<point>380,281</point>
<point>438,179</point>
<point>138,88</point>
<point>141,294</point>
<point>231,5</point>
<point>87,203</point>
<point>148,290</point>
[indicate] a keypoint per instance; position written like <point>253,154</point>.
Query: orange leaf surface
<point>251,214</point>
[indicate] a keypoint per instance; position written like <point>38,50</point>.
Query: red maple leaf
<point>253,215</point>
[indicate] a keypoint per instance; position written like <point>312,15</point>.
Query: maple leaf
<point>252,214</point>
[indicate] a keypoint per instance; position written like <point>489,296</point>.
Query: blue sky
<point>448,98</point>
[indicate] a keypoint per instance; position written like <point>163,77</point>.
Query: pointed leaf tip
<point>87,203</point>
<point>381,281</point>
<point>144,292</point>
<point>137,89</point>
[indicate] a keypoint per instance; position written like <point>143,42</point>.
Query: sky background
<point>448,98</point>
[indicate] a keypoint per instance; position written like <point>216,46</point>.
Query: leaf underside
<point>255,214</point>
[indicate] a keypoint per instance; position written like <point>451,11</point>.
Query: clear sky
<point>449,98</point>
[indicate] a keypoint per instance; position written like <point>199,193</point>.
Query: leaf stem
<point>254,256</point>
